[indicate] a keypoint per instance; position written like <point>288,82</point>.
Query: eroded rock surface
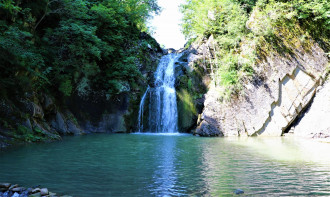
<point>316,121</point>
<point>270,103</point>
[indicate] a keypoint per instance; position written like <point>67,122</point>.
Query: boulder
<point>205,129</point>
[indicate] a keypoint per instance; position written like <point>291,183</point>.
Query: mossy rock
<point>187,113</point>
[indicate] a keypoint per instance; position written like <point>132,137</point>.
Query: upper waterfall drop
<point>163,114</point>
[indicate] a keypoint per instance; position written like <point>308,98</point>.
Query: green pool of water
<point>171,165</point>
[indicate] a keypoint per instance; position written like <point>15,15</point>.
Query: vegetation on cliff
<point>246,31</point>
<point>62,48</point>
<point>70,46</point>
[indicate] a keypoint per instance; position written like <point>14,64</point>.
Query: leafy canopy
<point>72,46</point>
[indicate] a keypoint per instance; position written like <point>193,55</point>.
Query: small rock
<point>5,185</point>
<point>18,189</point>
<point>7,194</point>
<point>3,189</point>
<point>13,186</point>
<point>35,195</point>
<point>25,193</point>
<point>51,194</point>
<point>15,195</point>
<point>238,191</point>
<point>29,190</point>
<point>35,190</point>
<point>44,191</point>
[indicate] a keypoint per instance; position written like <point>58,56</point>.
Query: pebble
<point>35,195</point>
<point>8,190</point>
<point>15,195</point>
<point>5,185</point>
<point>18,189</point>
<point>35,190</point>
<point>238,191</point>
<point>7,194</point>
<point>13,186</point>
<point>44,191</point>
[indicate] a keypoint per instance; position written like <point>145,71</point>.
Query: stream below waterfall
<point>170,165</point>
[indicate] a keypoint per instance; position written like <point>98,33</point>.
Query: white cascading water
<point>163,114</point>
<point>141,110</point>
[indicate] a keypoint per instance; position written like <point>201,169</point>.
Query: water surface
<point>171,165</point>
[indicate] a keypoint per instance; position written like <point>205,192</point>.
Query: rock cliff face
<point>39,116</point>
<point>191,85</point>
<point>271,102</point>
<point>315,122</point>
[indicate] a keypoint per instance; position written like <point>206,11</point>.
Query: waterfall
<point>140,121</point>
<point>163,115</point>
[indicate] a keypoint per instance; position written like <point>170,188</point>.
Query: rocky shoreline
<point>14,190</point>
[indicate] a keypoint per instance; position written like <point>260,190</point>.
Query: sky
<point>166,25</point>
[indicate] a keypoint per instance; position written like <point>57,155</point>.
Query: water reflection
<point>288,149</point>
<point>264,166</point>
<point>165,174</point>
<point>179,165</point>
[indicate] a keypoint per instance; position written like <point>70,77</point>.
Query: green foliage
<point>213,17</point>
<point>73,46</point>
<point>225,20</point>
<point>27,135</point>
<point>243,30</point>
<point>66,87</point>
